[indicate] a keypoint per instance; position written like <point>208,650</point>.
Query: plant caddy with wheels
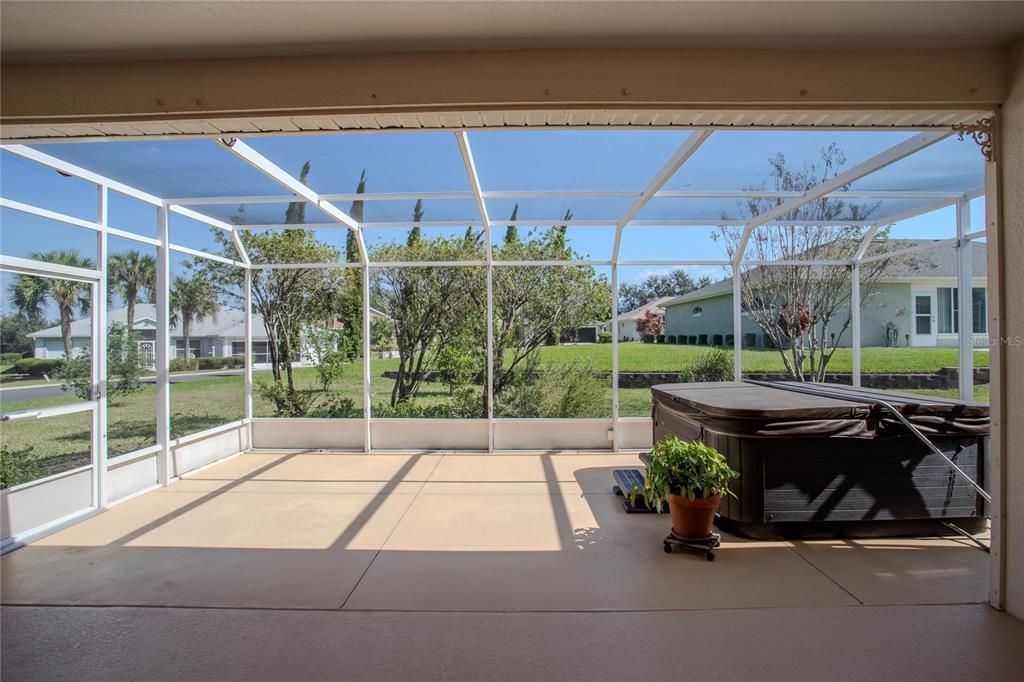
<point>691,477</point>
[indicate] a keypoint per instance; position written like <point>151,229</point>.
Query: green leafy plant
<point>713,365</point>
<point>184,364</point>
<point>686,468</point>
<point>554,391</point>
<point>9,358</point>
<point>37,367</point>
<point>124,365</point>
<point>19,466</point>
<point>382,334</point>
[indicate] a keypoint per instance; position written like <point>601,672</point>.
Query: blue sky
<point>506,160</point>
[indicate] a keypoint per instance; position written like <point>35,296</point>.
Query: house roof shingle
<point>939,262</point>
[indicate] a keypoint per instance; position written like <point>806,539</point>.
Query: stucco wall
<point>54,348</point>
<point>716,318</point>
<point>879,308</point>
<point>1012,235</point>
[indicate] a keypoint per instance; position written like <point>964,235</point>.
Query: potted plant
<point>691,477</point>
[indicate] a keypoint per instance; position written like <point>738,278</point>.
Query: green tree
<point>30,295</point>
<point>511,231</point>
<point>130,275</point>
<point>295,214</point>
<point>428,306</point>
<point>532,303</point>
<point>192,300</point>
<point>350,299</point>
<point>417,217</point>
<point>14,331</point>
<point>658,285</point>
<point>806,310</point>
<point>289,301</point>
<point>124,365</point>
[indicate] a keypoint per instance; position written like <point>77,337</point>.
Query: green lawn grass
<point>647,357</point>
<point>63,442</point>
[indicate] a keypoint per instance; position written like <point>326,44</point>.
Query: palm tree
<point>31,294</point>
<point>130,274</point>
<point>191,301</point>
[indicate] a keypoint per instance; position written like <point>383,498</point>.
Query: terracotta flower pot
<point>693,518</point>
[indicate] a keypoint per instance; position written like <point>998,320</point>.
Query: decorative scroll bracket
<point>981,133</point>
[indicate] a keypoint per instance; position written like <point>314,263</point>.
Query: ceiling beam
<point>562,194</point>
<point>261,163</point>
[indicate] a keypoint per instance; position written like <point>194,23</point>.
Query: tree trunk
<point>186,329</point>
<point>131,294</point>
<point>65,330</point>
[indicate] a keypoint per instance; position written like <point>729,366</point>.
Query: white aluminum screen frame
<point>296,191</point>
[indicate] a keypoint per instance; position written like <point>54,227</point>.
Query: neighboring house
<point>627,321</point>
<point>917,298</point>
<point>219,335</point>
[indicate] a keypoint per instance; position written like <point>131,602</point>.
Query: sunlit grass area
<point>208,402</point>
<point>649,357</point>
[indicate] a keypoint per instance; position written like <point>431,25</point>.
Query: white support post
<point>615,358</point>
<point>998,449</point>
<point>690,145</point>
<point>367,396</point>
<point>99,356</point>
<point>737,323</point>
<point>163,348</point>
<point>474,182</point>
<point>965,294</point>
<point>855,319</point>
<point>248,353</point>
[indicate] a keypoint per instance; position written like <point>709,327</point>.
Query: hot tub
<point>821,466</point>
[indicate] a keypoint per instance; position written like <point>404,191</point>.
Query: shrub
<point>184,364</point>
<point>670,339</point>
<point>217,363</point>
<point>646,339</point>
<point>712,365</point>
<point>287,403</point>
<point>410,409</point>
<point>336,407</point>
<point>37,367</point>
<point>692,340</point>
<point>22,366</point>
<point>9,358</point>
<point>604,337</point>
<point>749,340</point>
<point>19,466</point>
<point>716,340</point>
<point>570,390</point>
<point>729,339</point>
<point>686,468</point>
<point>660,338</point>
<point>702,339</point>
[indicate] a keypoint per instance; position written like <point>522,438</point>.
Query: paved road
<point>12,394</point>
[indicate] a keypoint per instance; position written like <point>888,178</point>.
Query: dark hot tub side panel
<point>835,485</point>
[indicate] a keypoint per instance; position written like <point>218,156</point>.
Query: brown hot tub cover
<point>774,412</point>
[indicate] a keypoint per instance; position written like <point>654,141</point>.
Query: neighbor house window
<point>195,347</point>
<point>260,352</point>
<point>698,311</point>
<point>949,310</point>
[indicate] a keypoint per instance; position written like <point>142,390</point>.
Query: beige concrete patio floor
<point>447,533</point>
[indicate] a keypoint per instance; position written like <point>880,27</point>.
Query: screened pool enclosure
<point>460,290</point>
